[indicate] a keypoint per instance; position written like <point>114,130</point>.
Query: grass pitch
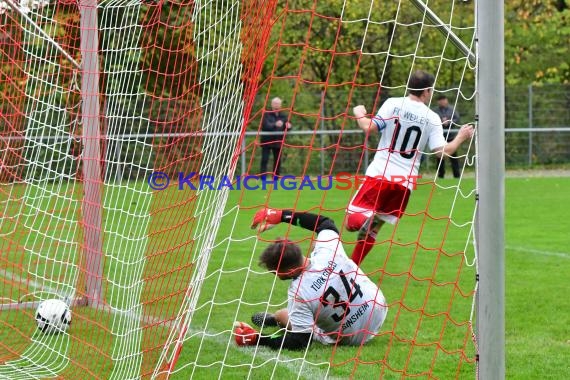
<point>416,341</point>
<point>424,267</point>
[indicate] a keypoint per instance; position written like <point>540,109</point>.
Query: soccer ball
<point>53,316</point>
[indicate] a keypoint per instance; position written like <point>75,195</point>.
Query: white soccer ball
<point>53,316</point>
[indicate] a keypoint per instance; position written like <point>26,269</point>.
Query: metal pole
<point>42,33</point>
<point>90,113</point>
<point>491,190</point>
<point>530,124</point>
<point>445,30</point>
<point>256,133</point>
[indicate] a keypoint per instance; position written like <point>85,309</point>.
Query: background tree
<point>537,37</point>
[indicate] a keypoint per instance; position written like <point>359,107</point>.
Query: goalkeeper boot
<point>264,319</point>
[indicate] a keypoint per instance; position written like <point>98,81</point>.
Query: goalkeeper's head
<point>284,258</point>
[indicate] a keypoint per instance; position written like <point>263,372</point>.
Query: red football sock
<point>362,248</point>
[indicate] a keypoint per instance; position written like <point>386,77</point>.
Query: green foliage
<point>335,49</point>
<point>537,36</point>
<point>326,57</point>
<point>334,46</point>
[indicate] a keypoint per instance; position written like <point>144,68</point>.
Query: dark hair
<point>283,255</point>
<point>441,97</point>
<point>419,82</point>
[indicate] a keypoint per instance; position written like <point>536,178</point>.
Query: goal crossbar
<point>41,32</point>
<point>446,30</point>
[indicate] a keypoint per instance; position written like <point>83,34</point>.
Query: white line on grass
<point>8,275</point>
<point>564,255</point>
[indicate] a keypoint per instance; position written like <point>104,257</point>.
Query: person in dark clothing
<point>273,121</point>
<point>449,118</point>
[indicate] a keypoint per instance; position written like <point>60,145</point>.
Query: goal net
<point>130,135</point>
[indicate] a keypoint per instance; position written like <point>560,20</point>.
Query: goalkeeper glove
<point>245,335</point>
<point>266,219</point>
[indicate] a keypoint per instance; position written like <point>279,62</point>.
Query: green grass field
<point>404,264</point>
<point>420,267</point>
<point>538,343</point>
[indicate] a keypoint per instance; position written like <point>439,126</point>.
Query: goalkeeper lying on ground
<point>329,300</point>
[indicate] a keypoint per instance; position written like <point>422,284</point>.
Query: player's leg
<point>389,200</point>
<point>366,238</point>
<point>282,317</point>
<point>441,167</point>
<point>264,159</point>
<point>455,165</point>
<point>360,209</point>
<point>361,217</point>
<point>276,160</point>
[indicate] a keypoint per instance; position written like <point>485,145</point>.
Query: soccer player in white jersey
<point>407,126</point>
<point>330,299</point>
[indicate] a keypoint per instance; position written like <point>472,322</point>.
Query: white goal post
<point>491,181</point>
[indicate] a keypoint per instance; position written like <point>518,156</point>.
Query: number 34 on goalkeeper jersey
<point>334,298</point>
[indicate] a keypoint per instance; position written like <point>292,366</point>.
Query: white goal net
<point>131,141</point>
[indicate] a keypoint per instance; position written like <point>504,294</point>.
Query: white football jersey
<point>333,296</point>
<point>407,127</point>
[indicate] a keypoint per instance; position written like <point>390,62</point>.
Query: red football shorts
<point>385,197</point>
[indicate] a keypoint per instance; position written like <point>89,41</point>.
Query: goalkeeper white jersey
<point>334,296</point>
<point>407,127</point>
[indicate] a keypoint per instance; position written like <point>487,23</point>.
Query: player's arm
<point>465,133</point>
<point>268,218</point>
<point>289,340</point>
<point>245,335</point>
<point>365,123</point>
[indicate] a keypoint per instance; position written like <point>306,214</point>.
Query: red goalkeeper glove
<point>245,335</point>
<point>266,219</point>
